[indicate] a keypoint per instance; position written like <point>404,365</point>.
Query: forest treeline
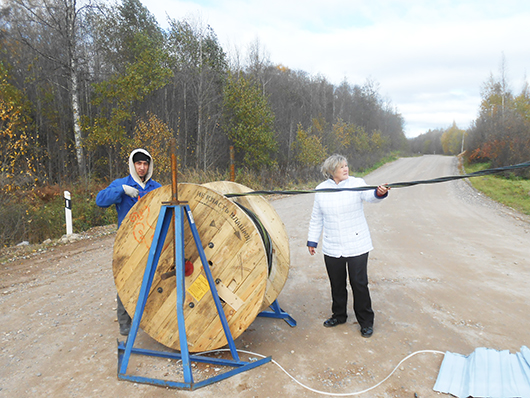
<point>82,86</point>
<point>500,136</point>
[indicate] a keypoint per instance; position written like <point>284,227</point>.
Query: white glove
<point>130,191</point>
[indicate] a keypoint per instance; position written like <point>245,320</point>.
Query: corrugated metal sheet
<point>485,373</point>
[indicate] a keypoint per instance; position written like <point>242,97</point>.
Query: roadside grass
<point>509,190</point>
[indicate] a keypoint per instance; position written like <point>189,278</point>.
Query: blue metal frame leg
<point>239,367</point>
<point>277,312</point>
<point>167,212</point>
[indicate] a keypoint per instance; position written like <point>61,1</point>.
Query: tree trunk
<point>185,151</point>
<point>200,138</point>
<point>70,15</point>
<point>77,120</point>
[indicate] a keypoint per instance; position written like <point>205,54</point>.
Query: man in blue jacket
<point>124,193</point>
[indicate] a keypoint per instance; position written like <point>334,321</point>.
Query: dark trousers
<point>356,268</point>
<point>124,319</point>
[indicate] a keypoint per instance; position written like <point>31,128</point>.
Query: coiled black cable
<point>267,241</point>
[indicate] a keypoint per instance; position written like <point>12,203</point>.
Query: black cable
<point>391,185</point>
<point>266,238</point>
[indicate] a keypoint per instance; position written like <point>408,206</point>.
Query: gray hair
<point>330,165</point>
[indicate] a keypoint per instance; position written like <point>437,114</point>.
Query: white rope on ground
<point>330,393</point>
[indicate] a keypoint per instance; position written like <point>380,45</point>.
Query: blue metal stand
<point>167,212</point>
<point>277,312</point>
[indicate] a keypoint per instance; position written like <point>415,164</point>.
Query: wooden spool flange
<point>267,215</point>
<point>235,252</point>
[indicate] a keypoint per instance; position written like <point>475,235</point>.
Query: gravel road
<point>449,272</point>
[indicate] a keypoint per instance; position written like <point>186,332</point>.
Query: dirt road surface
<point>449,272</point>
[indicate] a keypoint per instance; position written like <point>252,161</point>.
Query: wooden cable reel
<point>236,254</point>
<point>264,213</point>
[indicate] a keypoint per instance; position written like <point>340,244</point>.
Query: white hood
<point>132,169</point>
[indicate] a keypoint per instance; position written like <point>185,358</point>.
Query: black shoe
<point>124,330</point>
<point>367,331</point>
<point>329,323</point>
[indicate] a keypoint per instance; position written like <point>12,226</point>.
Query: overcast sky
<point>430,58</point>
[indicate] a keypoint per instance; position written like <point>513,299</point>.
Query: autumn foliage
<point>82,85</point>
<point>501,133</point>
<point>18,153</point>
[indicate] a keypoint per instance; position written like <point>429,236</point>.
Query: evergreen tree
<point>249,122</point>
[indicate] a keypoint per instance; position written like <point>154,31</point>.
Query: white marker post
<point>68,212</point>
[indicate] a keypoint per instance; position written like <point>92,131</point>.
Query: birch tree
<point>59,18</point>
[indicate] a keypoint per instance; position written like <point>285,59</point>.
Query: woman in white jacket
<point>346,240</point>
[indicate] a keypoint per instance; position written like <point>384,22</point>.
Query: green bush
<point>86,214</point>
<point>37,215</point>
<point>46,221</point>
<point>13,225</point>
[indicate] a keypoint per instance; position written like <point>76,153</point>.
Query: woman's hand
<point>382,190</point>
<point>312,250</point>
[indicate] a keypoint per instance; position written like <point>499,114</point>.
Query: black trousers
<point>356,268</point>
<point>124,319</point>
